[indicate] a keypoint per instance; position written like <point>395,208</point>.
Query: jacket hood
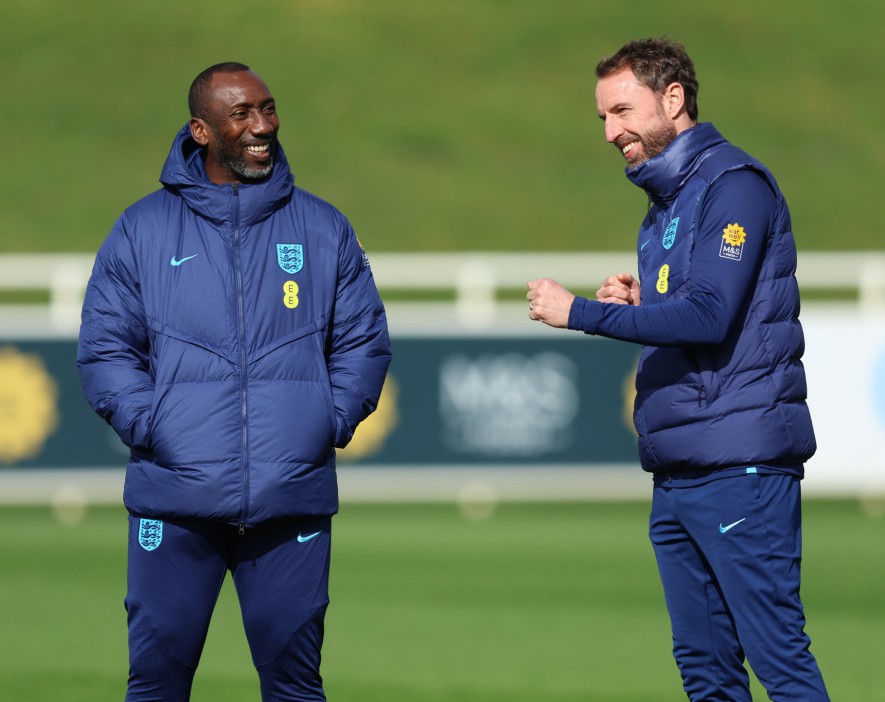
<point>185,173</point>
<point>663,176</point>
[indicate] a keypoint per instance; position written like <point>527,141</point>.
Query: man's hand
<point>622,289</point>
<point>549,302</point>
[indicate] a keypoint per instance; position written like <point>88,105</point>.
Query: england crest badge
<point>290,257</point>
<point>150,534</point>
<point>670,234</point>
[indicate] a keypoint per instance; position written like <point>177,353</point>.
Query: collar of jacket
<point>185,173</point>
<point>663,176</point>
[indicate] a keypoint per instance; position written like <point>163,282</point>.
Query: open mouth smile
<point>627,148</point>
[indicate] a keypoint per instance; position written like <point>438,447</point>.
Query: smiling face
<point>239,130</point>
<point>638,121</point>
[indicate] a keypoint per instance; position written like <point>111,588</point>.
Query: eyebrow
<point>613,108</point>
<point>246,103</point>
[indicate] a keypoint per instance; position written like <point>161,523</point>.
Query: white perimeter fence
<point>475,279</point>
<point>845,360</point>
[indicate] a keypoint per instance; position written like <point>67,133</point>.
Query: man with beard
<point>720,406</point>
<point>233,337</point>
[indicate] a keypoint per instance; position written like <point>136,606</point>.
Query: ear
<point>199,131</point>
<point>674,99</point>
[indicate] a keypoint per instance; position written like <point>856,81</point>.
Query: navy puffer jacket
<point>720,383</point>
<point>232,336</point>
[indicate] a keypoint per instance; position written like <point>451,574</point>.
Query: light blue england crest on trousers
<point>150,534</point>
<point>290,257</point>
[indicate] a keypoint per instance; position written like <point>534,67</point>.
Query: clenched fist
<point>622,289</point>
<point>549,302</point>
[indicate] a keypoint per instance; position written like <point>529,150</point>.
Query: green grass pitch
<point>553,602</point>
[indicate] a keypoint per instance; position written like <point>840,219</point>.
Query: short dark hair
<point>656,63</point>
<point>198,95</point>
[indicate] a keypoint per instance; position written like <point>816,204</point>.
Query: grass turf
<point>554,602</point>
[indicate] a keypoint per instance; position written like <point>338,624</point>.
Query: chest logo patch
<point>290,294</point>
<point>733,238</point>
<point>670,234</point>
<point>663,283</point>
<point>290,257</point>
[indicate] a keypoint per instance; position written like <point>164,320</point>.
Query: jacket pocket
<point>709,381</point>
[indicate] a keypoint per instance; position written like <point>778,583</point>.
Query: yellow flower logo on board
<point>629,387</point>
<point>371,433</point>
<point>28,405</point>
<point>734,234</point>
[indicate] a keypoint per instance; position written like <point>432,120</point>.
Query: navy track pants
<point>175,572</point>
<point>728,552</point>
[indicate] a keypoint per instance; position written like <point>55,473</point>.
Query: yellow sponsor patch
<point>290,296</point>
<point>733,238</point>
<point>663,279</point>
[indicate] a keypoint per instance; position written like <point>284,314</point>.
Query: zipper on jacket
<point>241,329</point>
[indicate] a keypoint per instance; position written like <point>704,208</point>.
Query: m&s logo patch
<point>733,239</point>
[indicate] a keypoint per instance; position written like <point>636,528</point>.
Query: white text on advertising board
<point>509,405</point>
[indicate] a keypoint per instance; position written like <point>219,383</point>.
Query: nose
<point>261,124</point>
<point>612,129</point>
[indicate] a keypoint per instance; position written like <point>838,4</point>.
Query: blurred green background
<point>438,124</point>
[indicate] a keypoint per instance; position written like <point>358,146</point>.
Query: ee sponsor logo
<point>290,294</point>
<point>663,279</point>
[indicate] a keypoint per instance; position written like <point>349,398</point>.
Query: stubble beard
<point>235,163</point>
<point>657,138</point>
